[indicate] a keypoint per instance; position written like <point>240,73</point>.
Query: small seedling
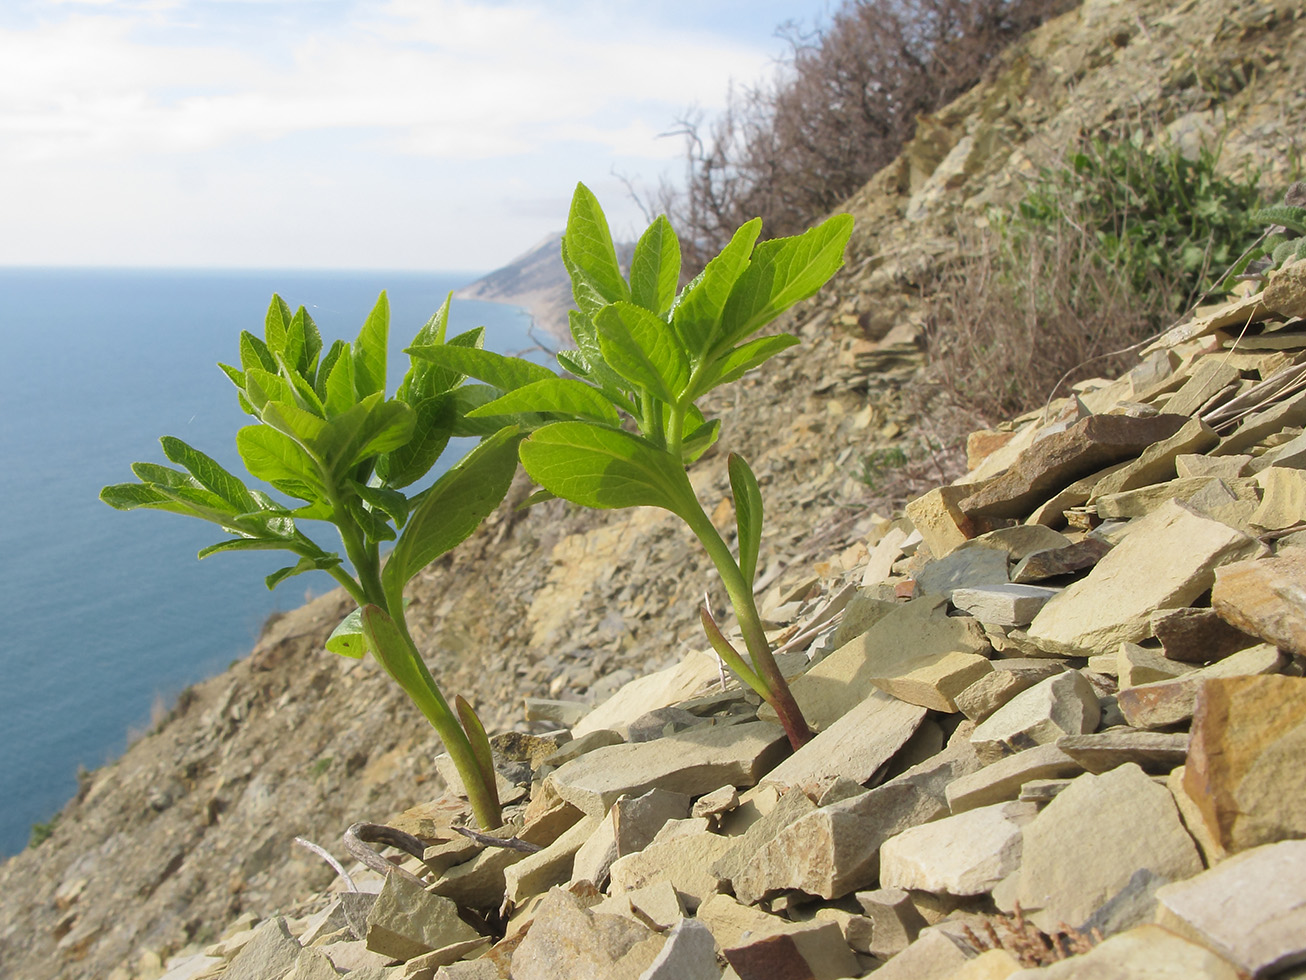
<point>624,430</point>
<point>328,436</point>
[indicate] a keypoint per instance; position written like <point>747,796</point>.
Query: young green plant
<point>624,429</point>
<point>328,437</point>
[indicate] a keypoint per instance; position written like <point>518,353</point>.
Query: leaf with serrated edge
<point>655,268</point>
<point>782,272</point>
<point>595,466</point>
<point>642,348</point>
<point>589,245</point>
<point>562,395</point>
<point>369,349</point>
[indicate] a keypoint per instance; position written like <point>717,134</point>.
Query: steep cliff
<point>194,824</point>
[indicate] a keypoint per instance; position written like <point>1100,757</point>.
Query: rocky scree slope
<point>192,826</point>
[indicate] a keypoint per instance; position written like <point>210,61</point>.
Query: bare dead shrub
<point>840,108</point>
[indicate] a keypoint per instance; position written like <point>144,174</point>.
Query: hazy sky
<point>423,134</point>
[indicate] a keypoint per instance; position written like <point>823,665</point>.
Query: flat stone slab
<point>692,763</point>
<point>1040,565</point>
<point>1086,845</point>
<point>1003,779</point>
<point>1250,908</point>
<point>1163,703</point>
<point>407,921</point>
<point>1059,459</point>
<point>966,854</point>
<point>1167,560</point>
<point>855,746</point>
<point>1153,752</point>
<point>1005,605</point>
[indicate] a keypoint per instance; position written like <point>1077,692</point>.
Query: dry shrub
<point>1003,329</point>
<point>840,108</point>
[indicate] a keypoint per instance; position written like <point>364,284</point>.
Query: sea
<point>108,615</point>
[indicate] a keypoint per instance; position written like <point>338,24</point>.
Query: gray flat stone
<point>692,763</point>
<point>1251,908</point>
<point>966,854</point>
<point>1005,604</point>
<point>1064,704</point>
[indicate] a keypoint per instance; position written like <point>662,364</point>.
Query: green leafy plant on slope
<point>328,436</point>
<point>1282,242</point>
<point>623,431</point>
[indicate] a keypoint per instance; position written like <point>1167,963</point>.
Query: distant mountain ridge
<point>537,281</point>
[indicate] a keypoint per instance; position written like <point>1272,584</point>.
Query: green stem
<point>750,622</point>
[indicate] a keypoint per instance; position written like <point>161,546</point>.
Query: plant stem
<point>750,622</point>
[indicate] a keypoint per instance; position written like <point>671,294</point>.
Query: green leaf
<point>435,420</point>
<point>595,466</point>
<point>334,399</point>
<point>587,348</point>
<point>275,324</point>
<point>247,544</point>
<point>276,458</point>
<point>370,347</point>
<point>588,296</point>
<point>453,507</point>
<point>643,349</point>
<point>699,441</point>
<point>563,396</point>
<point>130,496</point>
<point>347,639</point>
<point>748,515</point>
<point>299,568</point>
<point>374,525</point>
<point>422,379</point>
<point>734,364</point>
<point>235,375</point>
<point>697,316</point>
<point>392,503</point>
<point>480,744</point>
<point>499,370</point>
<point>254,353</point>
<point>589,248</point>
<point>655,268</point>
<point>782,272</point>
<point>1288,215</point>
<point>209,474</point>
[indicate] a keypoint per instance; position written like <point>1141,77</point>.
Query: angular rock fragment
<point>934,955</point>
<point>1008,678</point>
<point>941,523</point>
<point>1091,839</point>
<point>1064,704</point>
<point>965,568</point>
<point>1163,703</point>
<point>1139,665</point>
<point>684,862</point>
<point>689,954</point>
<point>1005,605</point>
<point>692,763</point>
<point>1244,767</point>
<point>1266,598</point>
<point>855,746</point>
<point>813,950</point>
<point>896,921</point>
<point>1040,565</point>
<point>1167,560</point>
<point>966,854</point>
<point>1250,908</point>
<point>271,951</point>
<point>1154,752</point>
<point>1197,635</point>
<point>569,940</point>
<point>1003,779</point>
<point>1061,458</point>
<point>538,872</point>
<point>1156,464</point>
<point>407,921</point>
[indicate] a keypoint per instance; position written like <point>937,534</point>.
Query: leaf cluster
<point>621,430</point>
<point>1168,221</point>
<point>327,436</point>
<point>1284,242</point>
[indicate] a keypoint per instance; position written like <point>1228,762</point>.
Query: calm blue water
<point>107,612</point>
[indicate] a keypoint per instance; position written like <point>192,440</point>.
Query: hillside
<point>192,828</point>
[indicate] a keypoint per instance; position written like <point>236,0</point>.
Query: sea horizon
<point>113,616</point>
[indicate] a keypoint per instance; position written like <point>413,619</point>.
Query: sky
<point>409,134</point>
